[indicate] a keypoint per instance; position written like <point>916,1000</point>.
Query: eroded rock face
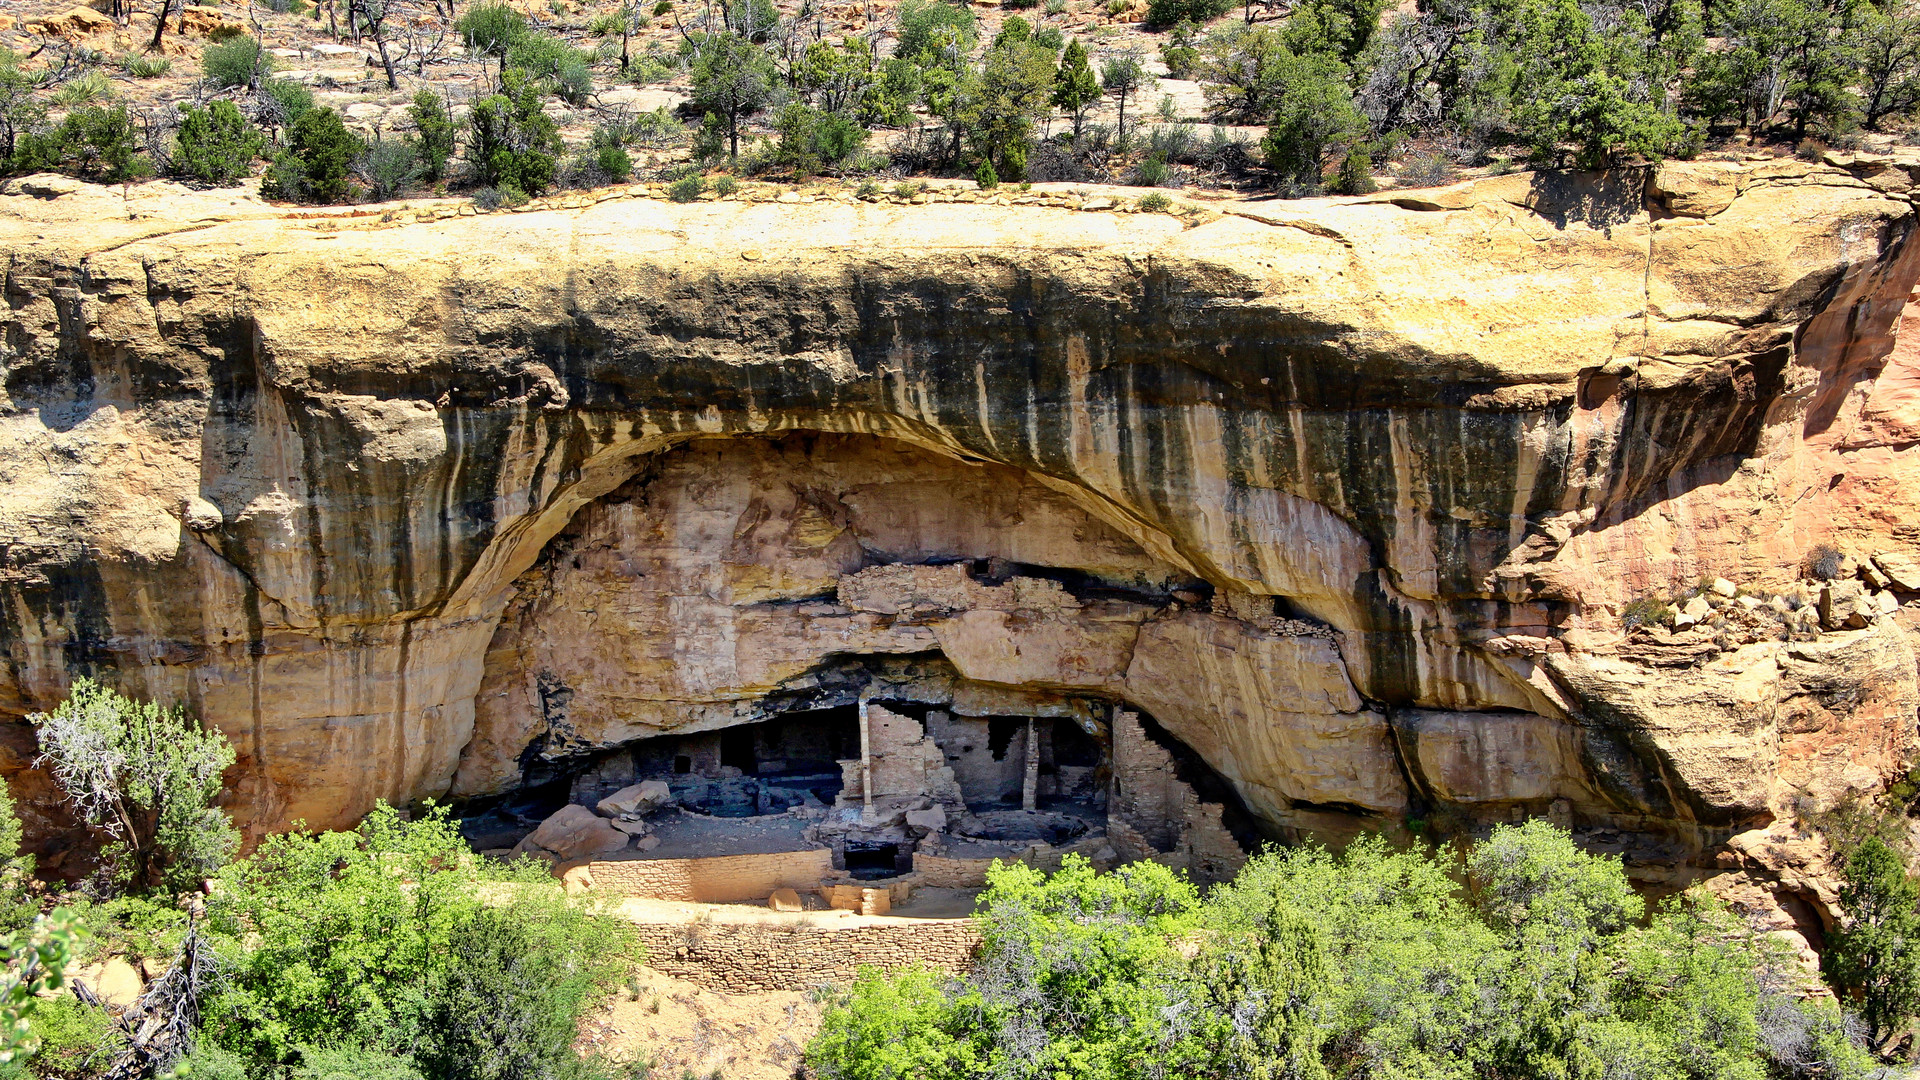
<point>407,508</point>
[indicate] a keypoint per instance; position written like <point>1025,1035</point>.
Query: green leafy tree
<point>147,778</point>
<point>893,1027</point>
<point>285,102</point>
<point>836,79</point>
<point>433,120</point>
<point>1340,28</point>
<point>733,78</point>
<point>216,145</point>
<point>1124,76</point>
<point>998,110</point>
<point>931,27</point>
<point>1370,963</point>
<point>1162,14</point>
<point>1075,89</point>
<point>21,110</point>
<point>33,961</point>
<point>390,939</point>
<point>1876,954</point>
<point>16,869</point>
<point>492,29</point>
<point>1263,991</point>
<point>1885,43</point>
<point>512,142</point>
<point>1313,117</point>
<point>1243,72</point>
<point>1570,95</point>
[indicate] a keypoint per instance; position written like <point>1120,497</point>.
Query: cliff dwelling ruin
<point>844,643</point>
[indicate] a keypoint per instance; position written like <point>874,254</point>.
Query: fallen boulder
<point>572,832</point>
<point>635,799</point>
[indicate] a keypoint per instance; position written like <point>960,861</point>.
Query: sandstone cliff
<point>1349,495</point>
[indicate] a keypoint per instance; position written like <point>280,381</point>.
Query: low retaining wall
<point>736,958</point>
<point>719,879</point>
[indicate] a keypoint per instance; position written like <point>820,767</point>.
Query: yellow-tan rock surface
<point>407,503</point>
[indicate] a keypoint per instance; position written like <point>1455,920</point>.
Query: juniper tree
<point>146,777</point>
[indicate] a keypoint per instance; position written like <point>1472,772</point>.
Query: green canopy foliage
<point>1370,963</point>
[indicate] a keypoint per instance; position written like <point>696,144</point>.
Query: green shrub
<point>88,89</point>
<point>868,189</point>
<point>145,776</point>
<point>319,157</point>
<point>985,176</point>
<point>16,870</point>
<point>687,189</point>
<point>210,1062</point>
<point>92,143</point>
<point>1822,563</point>
<point>725,186</point>
<point>513,142</point>
<point>1155,202</point>
<point>548,58</point>
<point>389,167</point>
<point>492,29</point>
<point>388,940</point>
<point>239,61</point>
<point>433,121</point>
<point>75,1039</point>
<point>287,101</point>
<point>351,1063</point>
<point>1876,954</point>
<point>216,145</point>
<point>135,927</point>
<point>925,24</point>
<point>1646,611</point>
<point>1163,14</point>
<point>811,140</point>
<point>1356,174</point>
<point>1373,962</point>
<point>143,66</point>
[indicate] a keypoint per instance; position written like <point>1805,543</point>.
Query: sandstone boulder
<point>1692,613</point>
<point>117,982</point>
<point>632,826</point>
<point>1902,570</point>
<point>572,832</point>
<point>74,25</point>
<point>1846,605</point>
<point>933,819</point>
<point>642,798</point>
<point>785,900</point>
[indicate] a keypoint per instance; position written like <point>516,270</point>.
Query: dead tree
<point>159,1027</point>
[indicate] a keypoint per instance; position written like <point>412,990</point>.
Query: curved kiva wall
<point>294,472</point>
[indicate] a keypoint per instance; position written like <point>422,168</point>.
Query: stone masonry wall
<point>723,879</point>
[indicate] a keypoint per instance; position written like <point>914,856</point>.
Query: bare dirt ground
<point>682,1029</point>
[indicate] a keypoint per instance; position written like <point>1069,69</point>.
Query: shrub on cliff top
<point>217,145</point>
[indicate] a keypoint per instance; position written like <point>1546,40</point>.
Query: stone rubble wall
<point>798,956</point>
